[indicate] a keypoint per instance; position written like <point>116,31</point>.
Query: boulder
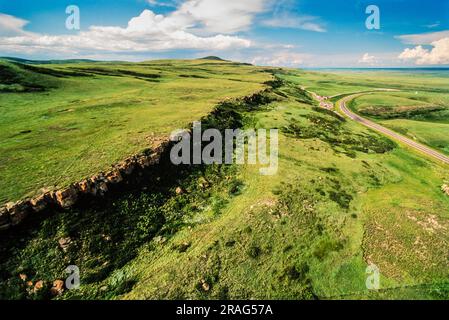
<point>64,243</point>
<point>66,197</point>
<point>38,286</point>
<point>58,288</point>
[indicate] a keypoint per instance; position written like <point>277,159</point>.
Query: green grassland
<point>63,122</point>
<point>309,231</point>
<point>345,82</point>
<point>344,197</point>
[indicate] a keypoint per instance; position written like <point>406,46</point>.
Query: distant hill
<point>26,61</point>
<point>18,76</point>
<point>212,58</point>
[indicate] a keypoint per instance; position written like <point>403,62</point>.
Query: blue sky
<point>295,33</point>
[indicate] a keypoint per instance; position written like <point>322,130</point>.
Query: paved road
<point>367,123</point>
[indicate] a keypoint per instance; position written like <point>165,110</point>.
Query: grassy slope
<point>405,238</point>
<point>71,127</point>
<point>337,203</point>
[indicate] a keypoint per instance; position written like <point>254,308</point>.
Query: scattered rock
<point>58,288</point>
<point>160,240</point>
<point>183,247</point>
<point>38,286</point>
<point>64,243</point>
<point>205,285</point>
<point>203,183</point>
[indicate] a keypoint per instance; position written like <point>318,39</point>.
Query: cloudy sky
<point>294,33</point>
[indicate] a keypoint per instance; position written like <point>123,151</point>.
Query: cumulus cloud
<point>438,55</point>
<point>280,59</point>
<point>195,24</point>
<point>221,16</point>
<point>11,26</point>
<point>368,59</point>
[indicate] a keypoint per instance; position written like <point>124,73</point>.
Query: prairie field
<point>61,123</point>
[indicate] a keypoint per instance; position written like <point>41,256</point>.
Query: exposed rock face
<point>39,203</point>
<point>14,213</point>
<point>4,219</point>
<point>18,211</point>
<point>114,177</point>
<point>67,197</point>
<point>85,186</point>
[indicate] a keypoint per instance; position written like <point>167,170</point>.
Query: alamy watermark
<point>373,20</point>
<point>190,149</point>
<point>73,21</point>
<point>73,280</point>
<point>373,278</point>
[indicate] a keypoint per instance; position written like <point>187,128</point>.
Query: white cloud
<point>221,16</point>
<point>438,55</point>
<point>423,38</point>
<point>196,24</point>
<point>11,26</point>
<point>280,59</point>
<point>368,59</point>
<point>285,20</point>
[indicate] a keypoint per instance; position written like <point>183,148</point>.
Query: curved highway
<point>367,123</point>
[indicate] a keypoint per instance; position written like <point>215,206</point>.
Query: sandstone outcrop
<point>66,198</point>
<point>13,214</point>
